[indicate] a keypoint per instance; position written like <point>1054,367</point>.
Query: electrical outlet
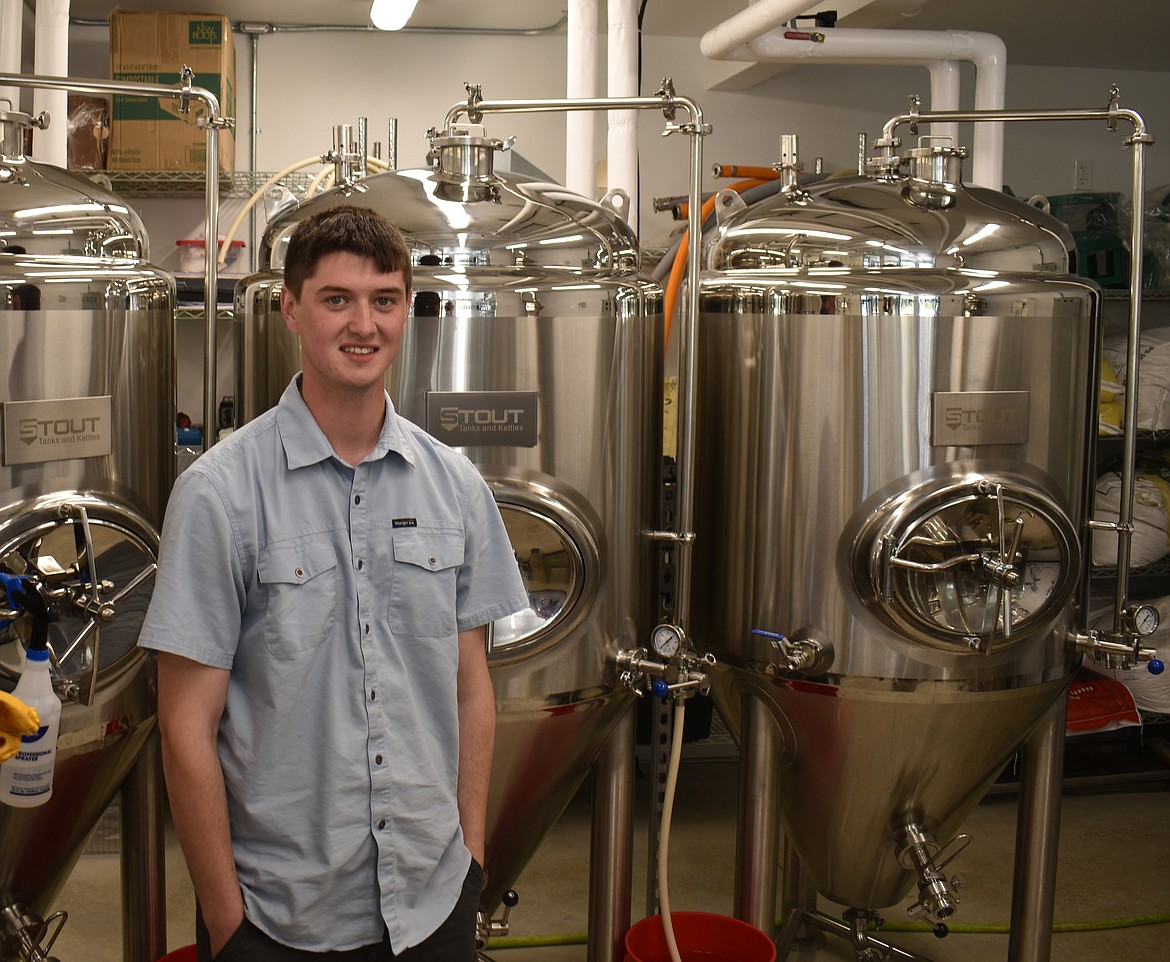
<point>1082,175</point>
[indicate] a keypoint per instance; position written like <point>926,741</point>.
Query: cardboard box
<point>151,47</point>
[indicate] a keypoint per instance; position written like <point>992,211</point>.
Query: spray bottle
<point>26,779</point>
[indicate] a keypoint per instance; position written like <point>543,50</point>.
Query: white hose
<point>229,236</point>
<point>664,831</point>
<point>323,180</point>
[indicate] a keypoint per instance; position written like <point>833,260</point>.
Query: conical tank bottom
<point>543,755</point>
<point>861,761</point>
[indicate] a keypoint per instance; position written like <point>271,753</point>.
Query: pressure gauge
<point>667,640</point>
<point>1144,619</point>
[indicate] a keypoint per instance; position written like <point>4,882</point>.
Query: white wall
<point>310,81</point>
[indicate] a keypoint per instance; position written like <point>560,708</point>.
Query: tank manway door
<point>558,560</point>
<point>95,561</point>
<point>968,565</point>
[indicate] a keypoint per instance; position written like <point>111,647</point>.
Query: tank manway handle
<point>33,935</point>
<point>98,609</point>
<point>49,589</point>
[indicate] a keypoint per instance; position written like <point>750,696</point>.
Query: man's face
<point>350,318</point>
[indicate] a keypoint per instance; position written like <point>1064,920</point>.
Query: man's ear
<point>288,309</point>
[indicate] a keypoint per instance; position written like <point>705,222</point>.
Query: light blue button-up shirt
<point>335,596</point>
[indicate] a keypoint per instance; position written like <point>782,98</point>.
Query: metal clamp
<point>216,123</point>
<point>186,82</point>
<point>474,99</point>
<point>666,92</point>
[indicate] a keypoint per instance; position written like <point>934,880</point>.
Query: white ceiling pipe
<point>622,65</point>
<point>11,40</point>
<point>581,81</point>
<point>842,45</point>
<point>51,59</point>
<point>719,43</point>
<point>944,89</point>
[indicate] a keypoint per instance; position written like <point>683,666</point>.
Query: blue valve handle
<point>660,688</point>
<point>14,587</point>
<point>13,583</point>
<point>1155,666</point>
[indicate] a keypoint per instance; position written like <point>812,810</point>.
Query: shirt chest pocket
<point>422,595</point>
<point>300,577</point>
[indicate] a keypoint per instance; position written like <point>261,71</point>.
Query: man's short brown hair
<point>348,229</point>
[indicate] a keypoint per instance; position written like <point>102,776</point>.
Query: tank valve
<point>1118,650</point>
<point>919,850</point>
<point>488,929</point>
<point>804,652</point>
<point>680,674</point>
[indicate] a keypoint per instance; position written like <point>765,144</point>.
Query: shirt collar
<point>305,443</point>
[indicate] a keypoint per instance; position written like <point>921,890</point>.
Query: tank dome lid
<point>861,223</point>
<point>45,211</point>
<point>468,214</point>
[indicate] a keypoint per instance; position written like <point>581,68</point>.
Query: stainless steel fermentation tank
<point>534,347</point>
<point>86,389</point>
<point>896,378</point>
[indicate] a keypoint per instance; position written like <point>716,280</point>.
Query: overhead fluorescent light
<point>391,14</point>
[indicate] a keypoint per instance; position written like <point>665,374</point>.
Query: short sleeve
<point>199,592</point>
<point>489,585</point>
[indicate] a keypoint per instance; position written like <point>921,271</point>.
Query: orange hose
<point>741,170</point>
<point>678,268</point>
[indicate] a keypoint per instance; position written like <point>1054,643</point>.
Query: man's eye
<point>385,302</point>
<point>335,299</point>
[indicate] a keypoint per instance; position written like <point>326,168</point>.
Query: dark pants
<point>453,941</point>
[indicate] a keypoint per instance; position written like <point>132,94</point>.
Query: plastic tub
<point>701,937</point>
<point>192,258</point>
<point>185,954</point>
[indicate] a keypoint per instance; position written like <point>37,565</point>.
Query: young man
<point>324,699</point>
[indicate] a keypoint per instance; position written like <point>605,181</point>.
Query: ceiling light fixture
<point>391,14</point>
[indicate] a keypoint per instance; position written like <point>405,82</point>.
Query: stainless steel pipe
<point>1037,839</point>
<point>757,840</point>
<point>609,911</point>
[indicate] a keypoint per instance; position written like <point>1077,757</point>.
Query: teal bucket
<point>701,937</point>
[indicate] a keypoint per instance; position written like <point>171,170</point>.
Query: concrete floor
<point>1114,849</point>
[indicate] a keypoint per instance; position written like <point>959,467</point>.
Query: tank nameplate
<point>503,418</point>
<point>971,418</point>
<point>57,430</point>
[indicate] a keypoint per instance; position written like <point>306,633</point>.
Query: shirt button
<point>357,499</point>
<point>367,629</point>
<point>300,572</point>
<point>382,823</point>
<point>361,564</point>
<point>373,696</point>
<point>432,562</point>
<point>377,759</point>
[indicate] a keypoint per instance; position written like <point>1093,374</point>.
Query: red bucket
<point>185,954</point>
<point>701,937</point>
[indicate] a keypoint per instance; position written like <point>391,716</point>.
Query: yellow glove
<point>16,719</point>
